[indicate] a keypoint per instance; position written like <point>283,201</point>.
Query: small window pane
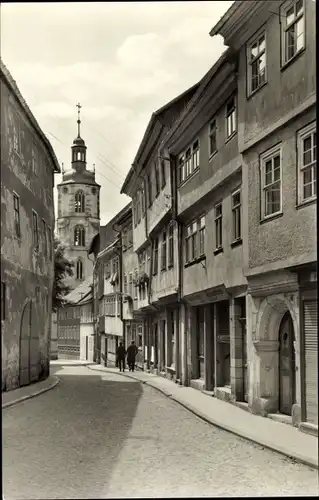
<point>290,15</point>
<point>254,50</point>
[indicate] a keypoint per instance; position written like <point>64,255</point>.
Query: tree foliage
<point>62,269</point>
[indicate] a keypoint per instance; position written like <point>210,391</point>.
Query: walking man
<point>120,356</point>
<point>131,355</point>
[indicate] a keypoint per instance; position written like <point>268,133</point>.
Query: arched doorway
<point>25,337</point>
<point>286,365</point>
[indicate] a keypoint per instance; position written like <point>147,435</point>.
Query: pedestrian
<point>120,356</point>
<point>131,355</point>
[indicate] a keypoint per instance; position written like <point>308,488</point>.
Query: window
<point>37,294</point>
<point>142,201</point>
<point>256,63</point>
<point>79,269</point>
<point>157,179</point>
<point>129,237</point>
<point>79,236</point>
<point>188,162</point>
<point>79,201</point>
<point>230,117</point>
<point>130,290</point>
<point>195,155</point>
<point>125,284</point>
<point>135,287</point>
<point>172,319</point>
<point>236,209</point>
<point>163,176</point>
<point>293,30</point>
<point>16,135</point>
<point>16,209</point>
<point>190,241</point>
<point>44,238</point>
<point>181,168</point>
<point>34,161</point>
<point>149,189</point>
<point>3,301</point>
<point>115,265</point>
<point>164,251</point>
<point>171,246</point>
<point>219,225</point>
<point>202,235</point>
<point>107,270</point>
<point>212,138</point>
<point>271,182</point>
<point>307,162</point>
<point>50,242</point>
<point>35,230</point>
<point>155,256</point>
<point>138,207</point>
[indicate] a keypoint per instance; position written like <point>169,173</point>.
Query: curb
<point>219,425</point>
<point>29,396</point>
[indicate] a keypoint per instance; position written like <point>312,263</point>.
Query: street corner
<point>17,396</point>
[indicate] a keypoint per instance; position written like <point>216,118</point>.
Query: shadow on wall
<point>81,425</point>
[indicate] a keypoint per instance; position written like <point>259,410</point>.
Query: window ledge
<point>254,92</point>
<point>271,217</point>
<point>218,250</point>
<point>212,155</point>
<point>185,181</point>
<point>170,266</point>
<point>163,269</point>
<point>195,261</point>
<point>306,203</point>
<point>230,137</point>
<point>236,243</point>
<point>297,54</point>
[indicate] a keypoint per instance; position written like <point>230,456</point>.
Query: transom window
<point>257,63</point>
<point>271,182</point>
<point>79,236</point>
<point>231,117</point>
<point>79,201</point>
<point>188,161</point>
<point>212,144</point>
<point>307,162</point>
<point>293,29</point>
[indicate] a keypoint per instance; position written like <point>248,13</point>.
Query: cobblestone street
<point>103,435</point>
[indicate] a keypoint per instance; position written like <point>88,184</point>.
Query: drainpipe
<point>120,254</point>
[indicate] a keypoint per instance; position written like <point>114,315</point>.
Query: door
<point>244,351</point>
<point>163,354</point>
<point>310,313</point>
<point>200,318</point>
<point>155,346</point>
<point>105,350</point>
<point>25,341</point>
<point>86,348</point>
<point>286,365</point>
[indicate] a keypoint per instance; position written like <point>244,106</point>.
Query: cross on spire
<point>79,121</point>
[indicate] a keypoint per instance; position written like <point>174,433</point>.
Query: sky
<point>121,61</point>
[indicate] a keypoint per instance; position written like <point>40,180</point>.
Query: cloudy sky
<point>122,61</point>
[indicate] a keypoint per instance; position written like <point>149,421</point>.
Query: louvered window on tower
<point>79,236</point>
<point>79,269</point>
<point>79,201</point>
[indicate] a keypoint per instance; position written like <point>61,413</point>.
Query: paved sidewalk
<point>69,362</point>
<point>16,396</point>
<point>277,436</point>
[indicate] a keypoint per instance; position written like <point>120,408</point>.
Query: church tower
<point>78,211</point>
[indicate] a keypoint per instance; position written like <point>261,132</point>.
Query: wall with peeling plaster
<point>22,267</point>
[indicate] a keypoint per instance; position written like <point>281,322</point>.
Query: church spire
<point>79,119</point>
<point>79,147</point>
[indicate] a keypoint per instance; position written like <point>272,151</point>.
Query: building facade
<point>75,329</point>
<point>277,142</point>
<point>78,212</point>
<point>28,164</point>
<point>150,184</point>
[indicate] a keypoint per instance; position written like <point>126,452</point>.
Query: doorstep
<point>280,417</point>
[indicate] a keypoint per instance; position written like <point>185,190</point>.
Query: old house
<point>105,248</point>
<point>133,321</point>
<point>75,330</point>
<point>28,164</point>
<point>149,184</point>
<point>275,45</point>
<point>209,205</point>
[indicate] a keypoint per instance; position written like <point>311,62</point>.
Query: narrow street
<point>107,436</point>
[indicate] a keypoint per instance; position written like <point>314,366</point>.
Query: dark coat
<point>120,352</point>
<point>132,351</point>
